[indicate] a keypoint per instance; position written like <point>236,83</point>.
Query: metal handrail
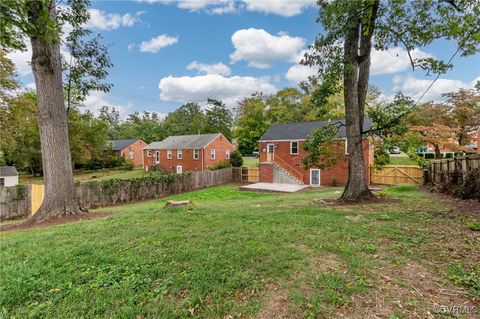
<point>289,167</point>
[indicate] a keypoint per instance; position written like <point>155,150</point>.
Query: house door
<point>179,169</point>
<point>270,151</point>
<point>315,177</point>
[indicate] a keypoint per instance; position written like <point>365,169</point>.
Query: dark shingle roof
<point>118,145</point>
<point>183,142</point>
<point>8,171</point>
<point>300,131</point>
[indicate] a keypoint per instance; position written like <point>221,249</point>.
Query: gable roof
<point>300,130</point>
<point>118,145</point>
<point>8,171</point>
<point>184,142</point>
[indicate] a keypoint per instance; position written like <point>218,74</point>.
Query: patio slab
<point>273,187</point>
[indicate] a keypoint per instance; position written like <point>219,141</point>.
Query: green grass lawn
<point>245,255</point>
<point>250,162</point>
<point>82,175</point>
<point>401,159</point>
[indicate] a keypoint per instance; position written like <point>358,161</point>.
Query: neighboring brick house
<point>281,154</point>
<point>130,149</point>
<point>187,153</point>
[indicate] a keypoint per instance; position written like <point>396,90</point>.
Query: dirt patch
<point>454,203</point>
<point>277,306</point>
<point>410,291</point>
<point>53,221</point>
<point>376,200</point>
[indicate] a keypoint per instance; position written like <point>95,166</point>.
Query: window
<point>227,154</point>
<point>294,147</point>
<point>270,148</point>
<point>169,154</point>
<point>131,154</point>
<point>149,153</point>
<point>196,154</point>
<point>212,154</point>
<point>179,154</point>
<point>157,157</point>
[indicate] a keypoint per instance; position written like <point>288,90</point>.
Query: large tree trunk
<point>357,50</point>
<point>60,198</point>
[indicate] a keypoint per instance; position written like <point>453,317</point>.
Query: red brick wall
<point>137,148</point>
<point>266,172</point>
<point>339,171</point>
<point>220,144</point>
<point>478,141</point>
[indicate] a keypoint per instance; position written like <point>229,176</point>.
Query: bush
<point>236,159</point>
<point>108,161</point>
<point>220,165</point>
<point>471,186</point>
<point>429,156</point>
<point>449,155</point>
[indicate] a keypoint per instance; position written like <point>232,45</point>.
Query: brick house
<point>130,149</point>
<point>281,154</point>
<point>187,153</point>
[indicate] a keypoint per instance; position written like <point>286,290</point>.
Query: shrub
<point>471,185</point>
<point>108,161</point>
<point>473,225</point>
<point>220,165</point>
<point>449,155</point>
<point>429,155</point>
<point>236,159</point>
<point>334,181</point>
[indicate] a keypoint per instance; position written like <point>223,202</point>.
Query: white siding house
<point>8,176</point>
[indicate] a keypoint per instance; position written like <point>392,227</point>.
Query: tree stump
<point>175,203</point>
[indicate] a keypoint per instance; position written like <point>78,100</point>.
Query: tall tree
<point>343,55</point>
<point>218,119</point>
<point>146,125</point>
<point>38,21</point>
<point>186,120</point>
<point>112,118</point>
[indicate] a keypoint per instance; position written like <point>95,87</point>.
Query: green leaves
<point>323,146</point>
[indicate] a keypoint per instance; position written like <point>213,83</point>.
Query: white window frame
<point>149,153</point>
<point>157,157</point>
<point>179,154</point>
<point>169,154</point>
<point>179,169</point>
<point>212,154</point>
<point>227,154</point>
<point>319,177</point>
<point>131,155</point>
<point>291,146</point>
<point>196,154</point>
<point>268,148</point>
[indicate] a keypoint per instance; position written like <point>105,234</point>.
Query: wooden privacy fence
<point>21,200</point>
<point>442,170</point>
<point>245,174</point>
<point>397,174</point>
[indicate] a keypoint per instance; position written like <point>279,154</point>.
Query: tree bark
<point>438,153</point>
<point>60,198</point>
<point>357,50</point>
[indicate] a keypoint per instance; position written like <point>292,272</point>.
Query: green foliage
<point>220,165</point>
<point>473,225</point>
<point>466,278</point>
<point>188,119</point>
<point>236,159</point>
<point>21,192</point>
<point>381,156</point>
<point>146,126</point>
<point>108,161</point>
<point>218,119</point>
<point>323,147</point>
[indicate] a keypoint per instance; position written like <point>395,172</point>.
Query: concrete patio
<point>273,187</point>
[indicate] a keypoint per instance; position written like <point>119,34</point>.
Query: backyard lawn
<point>250,161</point>
<point>248,255</point>
<point>401,159</point>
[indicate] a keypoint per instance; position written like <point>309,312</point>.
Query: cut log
<point>179,203</point>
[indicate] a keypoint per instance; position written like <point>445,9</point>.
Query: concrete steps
<point>289,178</point>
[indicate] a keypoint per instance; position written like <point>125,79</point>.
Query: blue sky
<point>166,53</point>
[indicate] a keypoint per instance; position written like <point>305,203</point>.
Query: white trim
<point>198,154</point>
<point>149,153</point>
<point>268,141</point>
<point>298,146</point>
<point>157,157</point>
<point>227,154</point>
<point>226,139</point>
<point>212,152</point>
<point>268,148</point>
<point>179,154</point>
<point>179,169</point>
<point>319,174</point>
<point>169,154</point>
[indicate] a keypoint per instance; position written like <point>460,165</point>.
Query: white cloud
<point>95,100</point>
<point>414,87</point>
<point>22,60</point>
<point>217,68</point>
<point>393,60</point>
<point>286,8</point>
<point>261,49</point>
<point>111,21</point>
<point>200,88</point>
<point>298,73</point>
<point>155,44</point>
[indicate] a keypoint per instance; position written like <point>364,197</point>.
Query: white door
<point>315,177</point>
<point>270,151</point>
<point>179,169</point>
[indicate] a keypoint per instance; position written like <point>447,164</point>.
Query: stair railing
<point>292,170</point>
